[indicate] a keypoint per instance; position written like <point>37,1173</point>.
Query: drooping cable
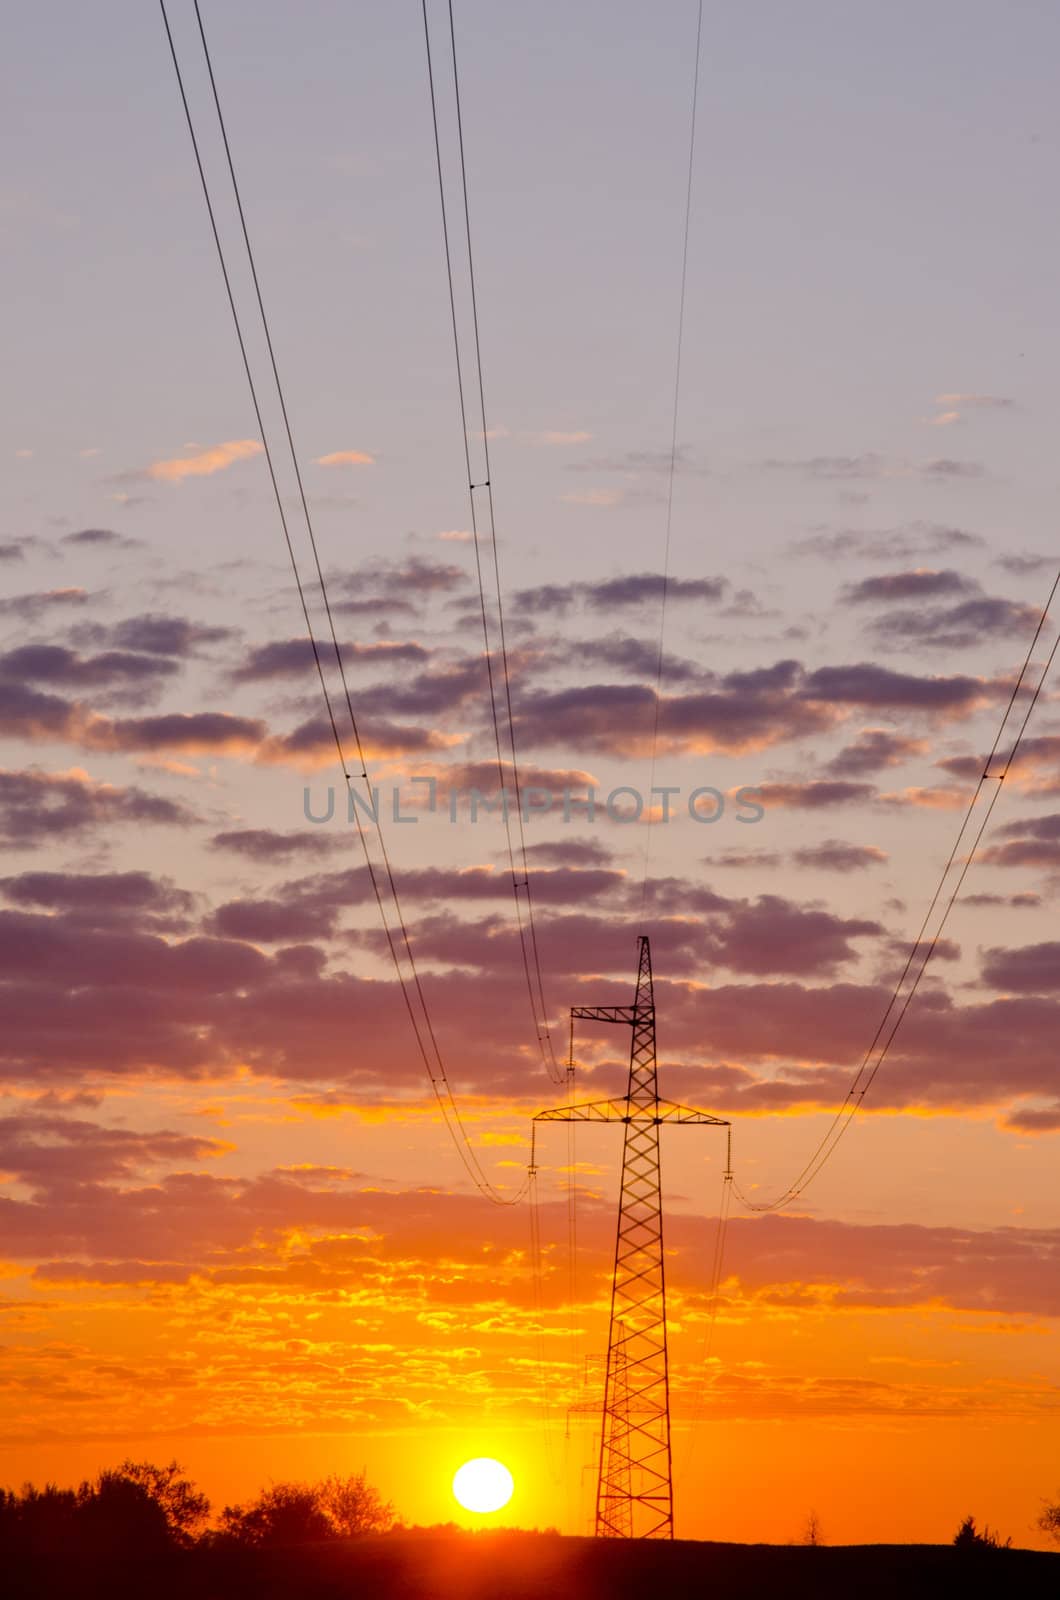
<point>572,1199</point>
<point>422,1025</point>
<point>521,883</point>
<point>537,1273</point>
<point>898,1004</point>
<point>673,453</point>
<point>713,1299</point>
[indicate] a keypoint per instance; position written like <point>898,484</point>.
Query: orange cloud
<point>193,733</point>
<point>985,402</point>
<point>213,459</point>
<point>345,458</point>
<point>927,799</point>
<point>312,744</point>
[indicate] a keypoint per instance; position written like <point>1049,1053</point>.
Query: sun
<point>483,1485</point>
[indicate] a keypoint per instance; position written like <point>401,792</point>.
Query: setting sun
<point>483,1485</point>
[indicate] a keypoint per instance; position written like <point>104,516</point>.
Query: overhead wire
<point>657,699</point>
<point>521,882</point>
<point>422,1025</point>
<point>713,1300</point>
<point>899,1004</point>
<point>537,1275</point>
<point>572,1199</point>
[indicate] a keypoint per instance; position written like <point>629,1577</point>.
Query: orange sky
<point>893,1377</point>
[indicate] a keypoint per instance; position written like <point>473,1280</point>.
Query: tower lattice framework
<point>634,1496</point>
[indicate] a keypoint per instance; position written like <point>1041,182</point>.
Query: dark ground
<point>538,1567</point>
<point>513,1566</point>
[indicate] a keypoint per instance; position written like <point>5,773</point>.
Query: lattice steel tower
<point>634,1495</point>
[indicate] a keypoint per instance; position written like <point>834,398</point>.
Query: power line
<point>572,1200</point>
<point>858,1089</point>
<point>537,1260</point>
<point>673,450</point>
<point>537,1275</point>
<point>714,1295</point>
<point>527,931</point>
<point>423,1030</point>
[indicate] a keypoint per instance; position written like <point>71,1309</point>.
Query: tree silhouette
<point>812,1533</point>
<point>300,1513</point>
<point>185,1508</point>
<point>283,1514</point>
<point>131,1510</point>
<point>354,1505</point>
<point>39,1520</point>
<point>1049,1520</point>
<point>118,1516</point>
<point>139,1509</point>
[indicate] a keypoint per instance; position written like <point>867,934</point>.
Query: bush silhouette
<point>969,1538</point>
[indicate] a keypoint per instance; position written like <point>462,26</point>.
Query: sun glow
<point>483,1485</point>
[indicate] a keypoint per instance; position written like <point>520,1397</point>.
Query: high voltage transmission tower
<point>634,1493</point>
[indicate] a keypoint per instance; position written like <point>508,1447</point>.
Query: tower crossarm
<point>670,1111</point>
<point>587,1111</point>
<point>626,1014</point>
<point>636,1406</point>
<point>623,1111</point>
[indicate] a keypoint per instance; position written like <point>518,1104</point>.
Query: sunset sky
<point>232,1225</point>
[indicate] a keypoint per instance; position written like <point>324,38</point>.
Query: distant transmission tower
<point>614,1500</point>
<point>634,1492</point>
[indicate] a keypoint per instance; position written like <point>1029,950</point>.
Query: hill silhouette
<point>456,1565</point>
